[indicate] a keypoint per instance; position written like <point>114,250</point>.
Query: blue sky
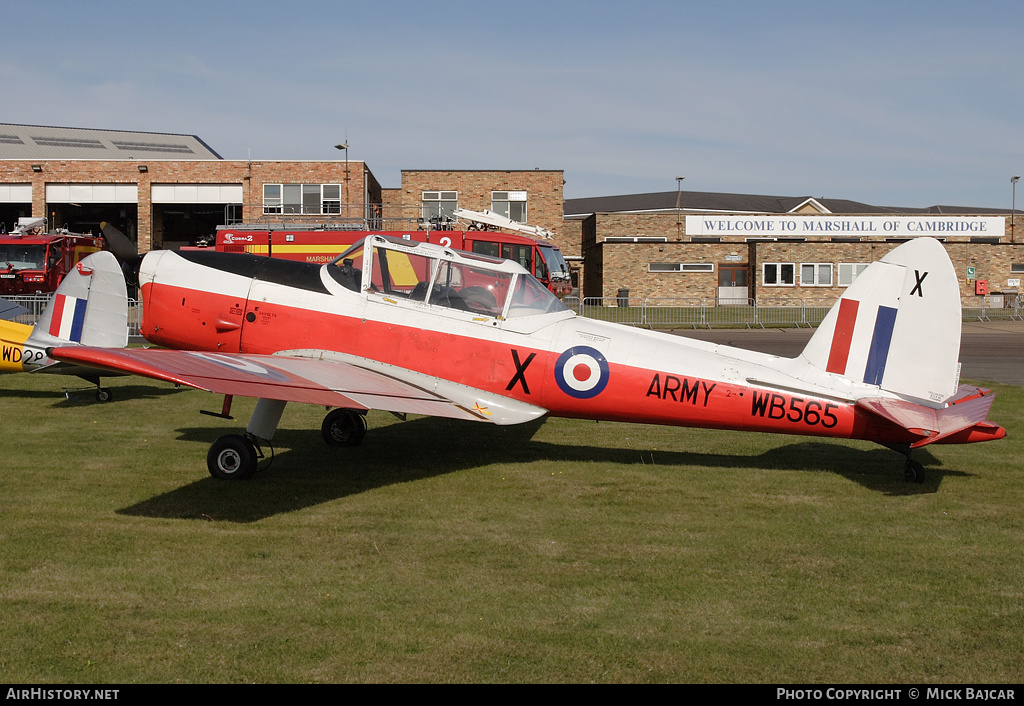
<point>892,103</point>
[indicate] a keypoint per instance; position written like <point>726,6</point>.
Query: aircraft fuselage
<point>571,366</point>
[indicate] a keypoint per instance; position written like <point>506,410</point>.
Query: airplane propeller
<point>121,246</point>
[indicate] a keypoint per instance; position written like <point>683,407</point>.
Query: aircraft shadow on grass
<point>305,472</point>
<point>78,396</point>
<point>82,394</point>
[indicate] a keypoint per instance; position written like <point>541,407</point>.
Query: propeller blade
<point>119,244</point>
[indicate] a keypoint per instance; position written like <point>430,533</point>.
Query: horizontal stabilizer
<point>965,415</point>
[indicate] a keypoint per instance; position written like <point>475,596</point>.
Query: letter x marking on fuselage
<point>521,367</point>
<point>917,287</point>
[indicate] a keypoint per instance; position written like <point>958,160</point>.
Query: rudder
<point>89,307</point>
<point>897,326</point>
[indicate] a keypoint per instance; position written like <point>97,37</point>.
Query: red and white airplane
<point>416,328</point>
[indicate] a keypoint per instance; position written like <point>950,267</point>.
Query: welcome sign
<point>844,226</point>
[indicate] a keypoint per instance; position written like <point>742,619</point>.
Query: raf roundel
<point>581,372</point>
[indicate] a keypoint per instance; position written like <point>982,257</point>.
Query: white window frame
<point>778,274</point>
<point>816,272</point>
<point>849,271</point>
<point>273,204</point>
<point>501,203</point>
<point>442,201</point>
<point>329,203</point>
<point>326,205</point>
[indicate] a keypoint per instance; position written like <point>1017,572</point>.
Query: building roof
<point>41,142</point>
<point>705,202</point>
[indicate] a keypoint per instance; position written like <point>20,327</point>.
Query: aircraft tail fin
<point>897,326</point>
<point>89,307</point>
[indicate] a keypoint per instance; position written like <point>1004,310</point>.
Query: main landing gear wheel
<point>103,394</point>
<point>232,457</point>
<point>913,472</point>
<point>343,427</point>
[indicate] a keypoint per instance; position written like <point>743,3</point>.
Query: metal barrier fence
<point>996,307</point>
<point>36,303</point>
<point>697,312</point>
<point>664,312</point>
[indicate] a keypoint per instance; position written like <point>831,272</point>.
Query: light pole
<point>344,146</point>
<point>1013,204</point>
<point>679,198</point>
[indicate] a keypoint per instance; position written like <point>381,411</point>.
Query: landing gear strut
<point>235,456</point>
<point>913,471</point>
<point>103,394</point>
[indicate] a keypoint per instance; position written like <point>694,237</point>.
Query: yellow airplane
<point>90,307</point>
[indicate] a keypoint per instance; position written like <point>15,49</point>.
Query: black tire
<point>103,394</point>
<point>913,472</point>
<point>232,457</point>
<point>343,427</point>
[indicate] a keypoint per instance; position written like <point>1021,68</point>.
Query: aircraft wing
<point>311,377</point>
<point>965,413</point>
<point>9,310</point>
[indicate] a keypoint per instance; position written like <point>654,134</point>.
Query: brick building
<point>736,247</point>
<point>528,196</point>
<point>167,190</point>
<point>164,190</point>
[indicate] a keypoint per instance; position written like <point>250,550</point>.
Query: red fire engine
<point>322,243</point>
<point>34,260</point>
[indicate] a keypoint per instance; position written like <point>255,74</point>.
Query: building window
<point>1017,268</point>
<point>439,205</point>
<point>272,198</point>
<point>306,199</point>
<point>331,198</point>
<point>779,274</point>
<point>511,204</point>
<point>848,272</point>
<point>680,267</point>
<point>816,274</point>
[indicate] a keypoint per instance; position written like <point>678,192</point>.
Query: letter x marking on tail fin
<point>917,287</point>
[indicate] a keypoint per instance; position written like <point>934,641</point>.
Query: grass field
<point>561,551</point>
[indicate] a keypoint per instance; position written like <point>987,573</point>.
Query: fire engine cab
<point>34,260</point>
